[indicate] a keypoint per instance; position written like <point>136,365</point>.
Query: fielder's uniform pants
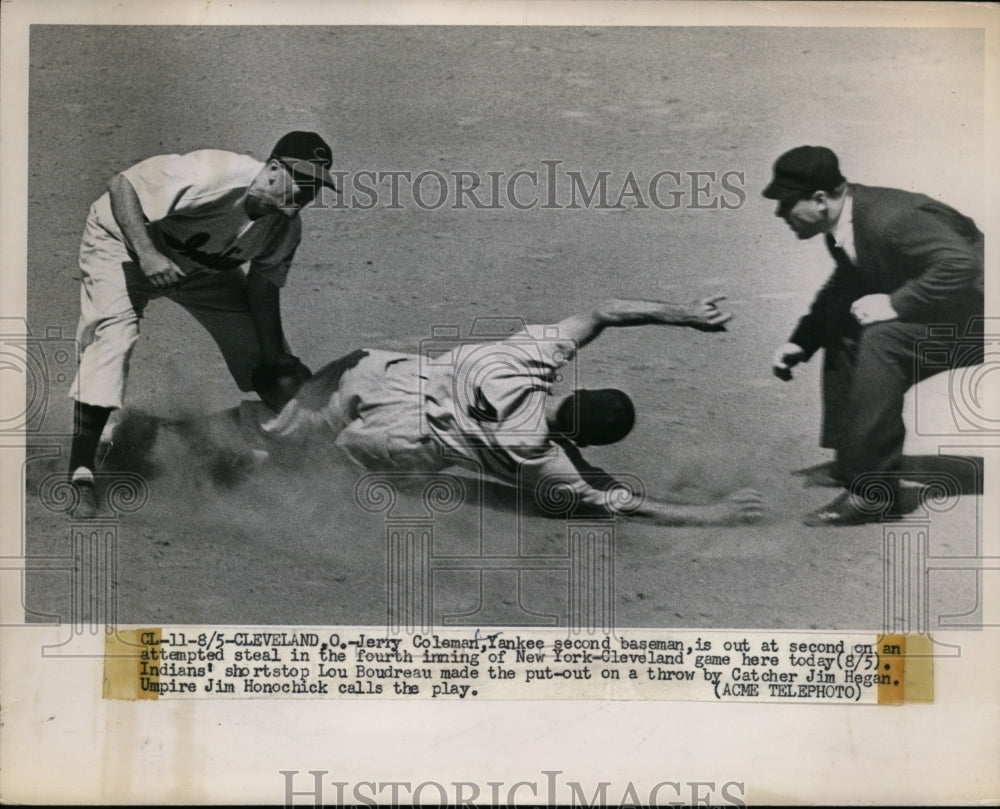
<point>113,295</point>
<point>864,384</point>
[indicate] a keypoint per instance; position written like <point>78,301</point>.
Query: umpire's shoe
<point>85,503</point>
<point>848,509</point>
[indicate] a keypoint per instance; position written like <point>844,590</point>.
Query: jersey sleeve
<point>558,485</point>
<point>552,349</point>
<point>175,184</point>
<point>275,263</point>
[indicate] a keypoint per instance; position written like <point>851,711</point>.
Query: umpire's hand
<point>786,358</point>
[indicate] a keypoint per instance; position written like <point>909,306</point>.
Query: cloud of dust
<point>705,473</point>
<point>203,473</point>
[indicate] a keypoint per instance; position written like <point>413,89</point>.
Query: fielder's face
<point>806,217</point>
<point>277,190</point>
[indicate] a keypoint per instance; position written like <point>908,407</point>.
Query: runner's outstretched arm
<point>702,314</point>
<point>594,489</point>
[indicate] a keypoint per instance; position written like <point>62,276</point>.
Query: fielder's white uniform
<point>193,204</point>
<point>481,406</point>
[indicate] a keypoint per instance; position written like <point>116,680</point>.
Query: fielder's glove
<point>276,383</point>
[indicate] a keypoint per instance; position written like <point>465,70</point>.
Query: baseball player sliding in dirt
<point>184,227</point>
<point>489,407</point>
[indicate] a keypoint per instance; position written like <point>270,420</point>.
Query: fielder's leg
<point>106,332</point>
<point>218,301</point>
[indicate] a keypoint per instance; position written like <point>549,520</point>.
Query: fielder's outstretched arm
<point>264,301</point>
<point>702,314</point>
<point>305,411</point>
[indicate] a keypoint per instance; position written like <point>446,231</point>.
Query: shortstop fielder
<point>184,227</point>
<point>489,408</point>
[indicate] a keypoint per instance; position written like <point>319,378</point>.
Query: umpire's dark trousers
<point>866,376</point>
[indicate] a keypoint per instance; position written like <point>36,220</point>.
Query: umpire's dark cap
<point>307,155</point>
<point>803,170</point>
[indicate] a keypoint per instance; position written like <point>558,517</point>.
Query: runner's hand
<point>706,316</point>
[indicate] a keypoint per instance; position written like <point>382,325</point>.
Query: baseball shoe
<point>86,500</point>
<point>821,479</point>
<point>844,510</point>
<point>130,445</point>
<point>820,475</point>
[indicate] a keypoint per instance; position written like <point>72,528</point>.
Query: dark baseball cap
<point>801,171</point>
<point>307,155</point>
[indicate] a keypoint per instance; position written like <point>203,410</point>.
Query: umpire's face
<point>806,217</point>
<point>277,190</point>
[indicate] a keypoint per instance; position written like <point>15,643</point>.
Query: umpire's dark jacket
<point>925,255</point>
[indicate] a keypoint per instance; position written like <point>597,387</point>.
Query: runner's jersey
<point>485,402</point>
<point>480,406</point>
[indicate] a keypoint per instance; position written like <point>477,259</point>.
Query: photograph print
<point>587,327</point>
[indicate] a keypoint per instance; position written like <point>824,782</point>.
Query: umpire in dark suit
<point>908,281</point>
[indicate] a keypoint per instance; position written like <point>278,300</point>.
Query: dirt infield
<point>902,108</point>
